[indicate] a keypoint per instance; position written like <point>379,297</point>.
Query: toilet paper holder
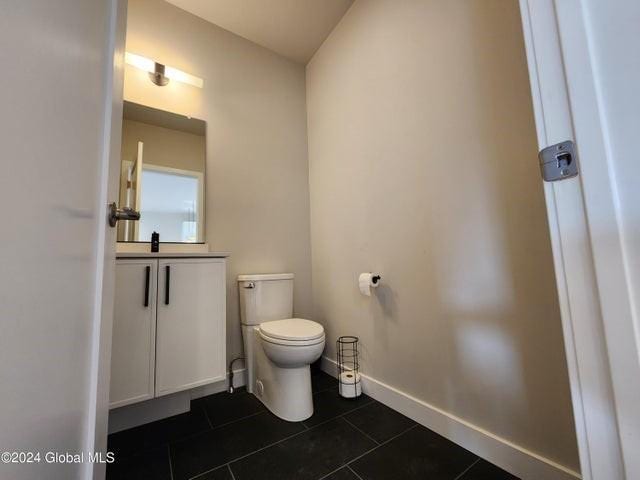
<point>349,385</point>
<point>376,278</point>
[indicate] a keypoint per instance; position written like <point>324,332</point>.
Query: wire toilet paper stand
<point>348,366</point>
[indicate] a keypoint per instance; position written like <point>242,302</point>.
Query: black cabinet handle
<point>146,285</point>
<point>167,282</point>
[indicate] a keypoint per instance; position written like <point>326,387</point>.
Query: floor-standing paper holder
<point>348,368</point>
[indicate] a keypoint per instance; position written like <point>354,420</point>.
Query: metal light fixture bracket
<point>158,76</point>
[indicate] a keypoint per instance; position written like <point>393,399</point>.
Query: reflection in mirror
<point>162,175</point>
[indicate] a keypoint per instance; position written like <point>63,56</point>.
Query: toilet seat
<point>292,331</point>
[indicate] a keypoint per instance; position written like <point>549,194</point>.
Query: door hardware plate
<point>559,161</point>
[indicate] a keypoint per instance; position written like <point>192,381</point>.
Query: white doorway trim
<point>593,287</point>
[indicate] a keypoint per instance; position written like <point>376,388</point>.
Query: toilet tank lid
<point>258,277</point>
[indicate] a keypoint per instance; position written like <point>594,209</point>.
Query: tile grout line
<point>367,452</point>
<point>246,455</point>
<point>371,400</point>
<point>307,429</point>
<point>170,466</point>
<point>337,416</point>
<point>264,448</point>
<point>361,431</point>
<point>233,477</point>
<point>185,437</point>
<point>206,415</point>
<point>238,420</point>
<point>192,435</point>
<point>188,436</point>
<point>354,472</point>
<point>380,445</point>
<point>467,469</point>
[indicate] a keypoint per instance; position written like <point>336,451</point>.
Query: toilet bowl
<point>292,343</point>
<point>278,349</point>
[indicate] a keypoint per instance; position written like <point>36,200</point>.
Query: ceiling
<point>293,28</point>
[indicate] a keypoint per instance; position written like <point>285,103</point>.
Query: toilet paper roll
<point>350,385</point>
<point>366,283</point>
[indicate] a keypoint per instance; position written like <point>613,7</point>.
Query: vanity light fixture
<point>161,74</point>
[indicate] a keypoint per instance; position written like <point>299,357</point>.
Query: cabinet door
<point>190,347</point>
<point>134,332</point>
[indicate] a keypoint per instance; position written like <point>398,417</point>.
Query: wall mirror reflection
<point>162,175</point>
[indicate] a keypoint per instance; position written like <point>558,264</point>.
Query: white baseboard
<point>513,458</point>
<point>137,414</point>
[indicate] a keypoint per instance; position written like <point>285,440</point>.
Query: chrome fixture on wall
<point>158,77</point>
<point>161,74</point>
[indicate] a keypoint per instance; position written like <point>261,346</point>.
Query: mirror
<point>162,175</point>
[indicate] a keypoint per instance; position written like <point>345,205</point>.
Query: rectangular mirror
<point>162,175</point>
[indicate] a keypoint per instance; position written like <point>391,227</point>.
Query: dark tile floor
<point>233,437</point>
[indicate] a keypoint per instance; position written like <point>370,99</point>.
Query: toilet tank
<point>265,297</point>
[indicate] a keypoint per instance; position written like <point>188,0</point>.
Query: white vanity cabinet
<point>168,333</point>
<point>190,337</point>
<point>133,342</point>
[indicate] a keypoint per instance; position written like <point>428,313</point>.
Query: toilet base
<point>286,392</point>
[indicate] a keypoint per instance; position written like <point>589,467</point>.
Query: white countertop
<point>172,254</point>
<point>167,250</point>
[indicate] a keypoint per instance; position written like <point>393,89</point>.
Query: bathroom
<point>288,177</point>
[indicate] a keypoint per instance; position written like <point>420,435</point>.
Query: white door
<point>190,348</point>
<point>584,75</point>
<point>57,100</point>
<point>133,346</point>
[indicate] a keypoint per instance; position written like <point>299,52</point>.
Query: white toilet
<point>278,349</point>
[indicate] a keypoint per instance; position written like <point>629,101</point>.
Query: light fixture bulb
<point>161,74</point>
<point>140,62</point>
<point>180,76</point>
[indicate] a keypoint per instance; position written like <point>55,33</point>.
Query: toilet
<point>278,349</point>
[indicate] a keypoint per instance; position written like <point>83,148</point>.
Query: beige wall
<point>423,167</point>
<point>253,101</point>
<point>163,146</point>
